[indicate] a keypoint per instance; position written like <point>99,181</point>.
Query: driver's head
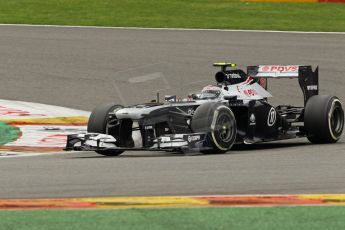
<point>210,92</point>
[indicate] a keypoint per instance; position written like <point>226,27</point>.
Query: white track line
<point>172,29</point>
<point>9,154</point>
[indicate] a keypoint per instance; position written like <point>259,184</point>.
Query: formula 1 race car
<point>234,110</point>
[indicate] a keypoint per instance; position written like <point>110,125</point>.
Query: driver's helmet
<point>210,92</point>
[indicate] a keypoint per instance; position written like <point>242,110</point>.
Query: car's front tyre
<point>98,123</point>
<point>219,122</point>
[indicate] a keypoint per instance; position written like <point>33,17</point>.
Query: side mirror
<point>170,98</point>
<point>230,98</point>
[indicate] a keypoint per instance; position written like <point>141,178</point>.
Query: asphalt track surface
<point>82,67</point>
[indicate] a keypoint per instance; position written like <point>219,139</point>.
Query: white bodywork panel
<point>247,92</point>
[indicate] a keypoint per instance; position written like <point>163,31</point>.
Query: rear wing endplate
<point>307,78</point>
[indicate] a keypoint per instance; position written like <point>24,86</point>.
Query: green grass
<point>198,218</point>
<point>230,14</point>
<point>8,133</point>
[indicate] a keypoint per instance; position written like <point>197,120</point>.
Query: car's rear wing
<point>307,78</point>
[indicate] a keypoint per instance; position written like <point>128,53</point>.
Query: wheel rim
<point>225,128</point>
<point>337,120</point>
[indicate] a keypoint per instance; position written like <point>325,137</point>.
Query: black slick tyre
<point>219,122</point>
<point>98,122</point>
<point>323,119</point>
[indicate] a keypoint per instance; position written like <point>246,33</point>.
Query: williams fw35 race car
<point>233,111</point>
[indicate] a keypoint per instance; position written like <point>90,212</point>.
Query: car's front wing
<point>173,142</point>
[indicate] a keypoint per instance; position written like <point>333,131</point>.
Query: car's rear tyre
<point>98,122</point>
<point>219,122</point>
<point>323,119</point>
